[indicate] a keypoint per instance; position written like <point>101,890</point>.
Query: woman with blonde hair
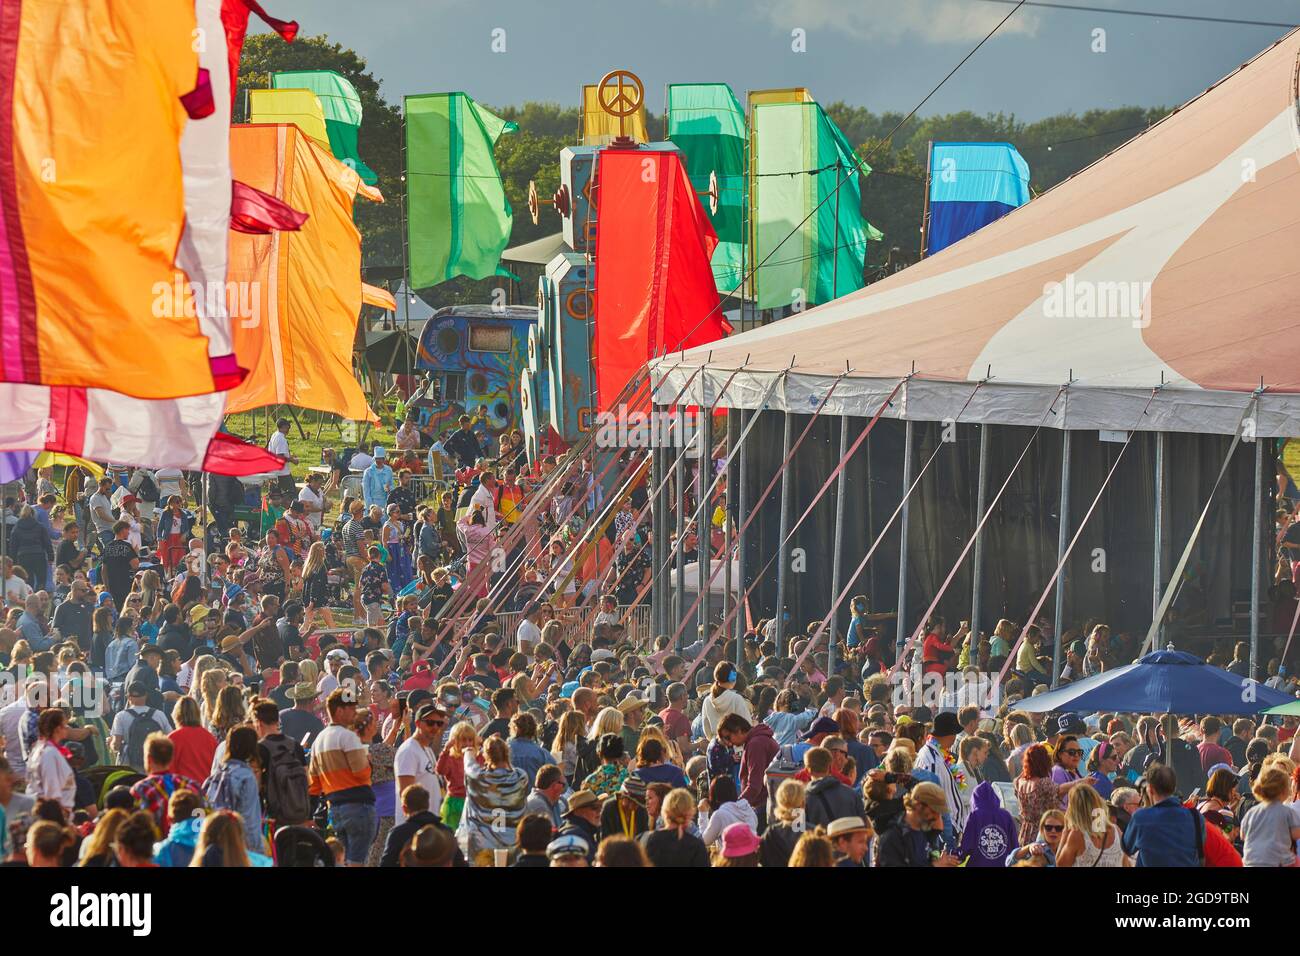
<point>495,793</point>
<point>462,739</point>
<point>202,665</point>
<point>564,748</point>
<point>780,839</point>
<point>1004,636</point>
<point>1090,838</point>
<point>97,849</point>
<point>229,711</point>
<point>670,750</point>
<point>1051,828</point>
<point>210,683</point>
<point>814,849</point>
<point>315,583</point>
<point>221,842</point>
<point>309,671</point>
<point>609,720</point>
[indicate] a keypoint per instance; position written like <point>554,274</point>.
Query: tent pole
<point>901,620</point>
<point>679,485</point>
<point>839,541</point>
<point>656,525</point>
<point>726,534</point>
<point>977,567</point>
<point>1256,557</point>
<point>784,550</point>
<point>1062,541</point>
<point>703,524</point>
<point>741,515</point>
<point>871,524</point>
<point>1158,525</point>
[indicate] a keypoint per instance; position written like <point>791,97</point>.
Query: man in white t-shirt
<point>416,761</point>
<point>313,500</point>
<point>278,444</point>
<point>101,510</point>
<point>486,500</point>
<point>528,635</point>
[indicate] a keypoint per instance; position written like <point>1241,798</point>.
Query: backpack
<point>286,782</point>
<point>143,725</point>
<point>782,767</point>
<point>148,490</point>
<point>588,761</point>
<point>217,789</point>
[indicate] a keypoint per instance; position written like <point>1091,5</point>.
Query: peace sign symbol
<point>620,93</point>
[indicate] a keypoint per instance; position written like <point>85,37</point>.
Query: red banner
<point>655,291</point>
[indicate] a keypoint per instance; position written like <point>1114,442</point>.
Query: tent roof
<point>539,252</point>
<point>1196,221</point>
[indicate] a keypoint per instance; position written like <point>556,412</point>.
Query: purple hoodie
<point>990,832</point>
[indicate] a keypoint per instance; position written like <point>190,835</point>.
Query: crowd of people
<point>446,677</point>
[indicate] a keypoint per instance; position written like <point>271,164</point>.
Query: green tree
<point>380,138</point>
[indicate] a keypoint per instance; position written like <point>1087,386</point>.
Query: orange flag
<point>92,202</point>
<point>299,293</point>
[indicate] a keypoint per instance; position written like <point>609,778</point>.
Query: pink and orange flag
<point>92,198</point>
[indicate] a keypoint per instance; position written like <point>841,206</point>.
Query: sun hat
<point>302,691</point>
<point>580,799</point>
<point>739,840</point>
<point>846,825</point>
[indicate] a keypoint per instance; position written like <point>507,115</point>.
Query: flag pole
<point>925,209</point>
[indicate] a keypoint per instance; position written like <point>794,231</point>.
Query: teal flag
<point>800,156</point>
<point>457,216</point>
<point>706,122</point>
<point>342,107</point>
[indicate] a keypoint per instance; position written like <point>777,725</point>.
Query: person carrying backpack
<point>233,786</point>
<point>154,792</point>
<point>133,725</point>
<point>284,769</point>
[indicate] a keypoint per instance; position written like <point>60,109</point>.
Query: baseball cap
<point>569,844</point>
<point>822,725</point>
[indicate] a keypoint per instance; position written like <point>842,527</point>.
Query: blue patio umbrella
<point>1168,681</point>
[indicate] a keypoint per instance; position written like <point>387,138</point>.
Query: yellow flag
<point>599,128</point>
<point>300,107</point>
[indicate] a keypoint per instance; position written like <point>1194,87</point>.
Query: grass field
<point>322,431</point>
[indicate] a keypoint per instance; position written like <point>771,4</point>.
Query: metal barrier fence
<point>576,623</point>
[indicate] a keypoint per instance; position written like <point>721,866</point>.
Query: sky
<point>879,54</point>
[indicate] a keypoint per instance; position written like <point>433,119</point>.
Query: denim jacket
<point>234,787</point>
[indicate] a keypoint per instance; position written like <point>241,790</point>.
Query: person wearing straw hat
<point>916,839</point>
<point>582,820</point>
<point>851,837</point>
<point>633,709</point>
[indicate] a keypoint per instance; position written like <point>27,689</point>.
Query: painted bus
<point>472,357</point>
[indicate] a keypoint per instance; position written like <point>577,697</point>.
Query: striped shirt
<point>339,768</point>
<point>353,532</point>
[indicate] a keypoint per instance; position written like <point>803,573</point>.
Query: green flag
<point>706,123</point>
<point>808,257</point>
<point>342,108</point>
<point>457,216</point>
